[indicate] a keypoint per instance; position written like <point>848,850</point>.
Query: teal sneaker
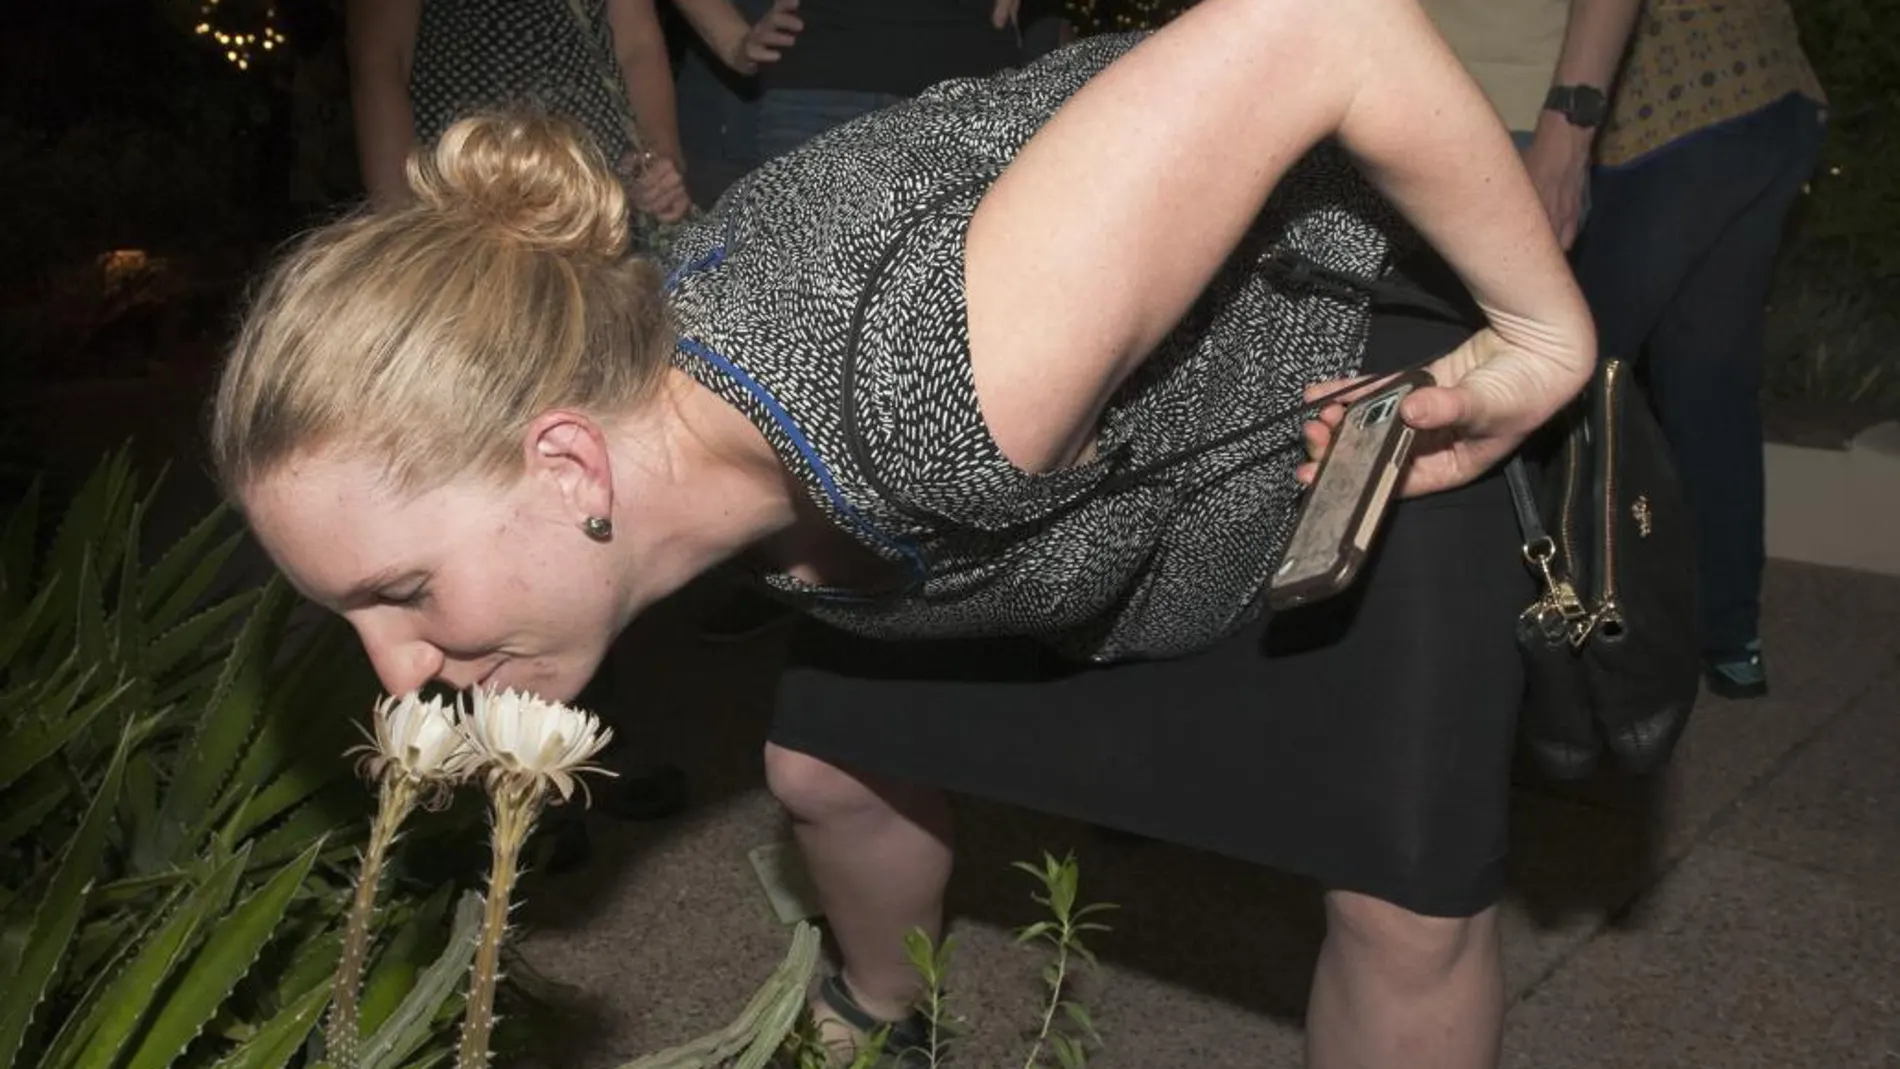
<point>1737,674</point>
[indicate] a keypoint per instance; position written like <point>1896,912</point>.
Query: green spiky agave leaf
<point>127,624</point>
<point>29,742</point>
<point>223,729</point>
<point>299,746</point>
<point>751,1040</point>
<point>413,1022</point>
<point>59,911</point>
<point>232,945</point>
<point>17,543</point>
<point>124,991</point>
<point>184,573</point>
<point>418,939</point>
<point>90,637</point>
<point>200,635</point>
<point>24,631</point>
<point>30,801</point>
<point>342,804</point>
<point>83,528</point>
<point>279,1039</point>
<point>105,1024</point>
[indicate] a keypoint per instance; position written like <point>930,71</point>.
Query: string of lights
<point>241,47</point>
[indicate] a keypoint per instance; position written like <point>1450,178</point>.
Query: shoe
<point>744,616</point>
<point>1737,674</point>
<point>643,792</point>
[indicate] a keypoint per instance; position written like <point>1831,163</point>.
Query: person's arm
<point>1559,154</point>
<point>657,179</point>
<point>381,36</point>
<point>739,44</point>
<point>1120,210</point>
<point>640,49</point>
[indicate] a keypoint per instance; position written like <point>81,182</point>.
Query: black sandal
<point>906,1042</point>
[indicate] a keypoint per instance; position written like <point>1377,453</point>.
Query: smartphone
<point>1348,500</point>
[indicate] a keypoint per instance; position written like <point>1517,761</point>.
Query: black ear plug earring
<point>598,528</point>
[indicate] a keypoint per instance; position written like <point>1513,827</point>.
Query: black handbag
<point>1610,645</point>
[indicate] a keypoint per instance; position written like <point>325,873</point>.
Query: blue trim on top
<point>805,449</point>
<point>705,262</point>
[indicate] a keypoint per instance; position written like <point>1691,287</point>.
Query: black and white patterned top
<point>823,297</point>
<point>551,55</point>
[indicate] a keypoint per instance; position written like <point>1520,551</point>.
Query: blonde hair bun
<point>536,179</point>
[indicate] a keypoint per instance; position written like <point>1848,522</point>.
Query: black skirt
<point>1363,741</point>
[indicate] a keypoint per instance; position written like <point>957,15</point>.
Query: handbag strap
<point>1529,521</point>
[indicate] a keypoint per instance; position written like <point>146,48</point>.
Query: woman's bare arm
<point>382,44</point>
<point>640,49</point>
<point>1121,209</point>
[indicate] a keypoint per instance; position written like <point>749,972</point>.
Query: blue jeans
<point>1676,265</point>
<point>790,117</point>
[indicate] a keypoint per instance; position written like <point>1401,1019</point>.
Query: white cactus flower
<point>416,739</point>
<point>517,736</point>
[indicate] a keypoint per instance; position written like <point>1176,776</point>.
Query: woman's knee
<point>1407,947</point>
<point>813,789</point>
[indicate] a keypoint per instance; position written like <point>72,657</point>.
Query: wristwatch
<point>1583,105</point>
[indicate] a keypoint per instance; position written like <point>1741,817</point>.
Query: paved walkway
<point>1747,914</point>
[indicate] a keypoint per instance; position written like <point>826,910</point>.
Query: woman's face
<point>475,581</point>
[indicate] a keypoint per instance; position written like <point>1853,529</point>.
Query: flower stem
<point>341,1037</point>
<point>516,803</point>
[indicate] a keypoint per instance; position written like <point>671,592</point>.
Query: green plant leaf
<point>322,815</point>
<point>108,1020</point>
<point>22,629</point>
<point>401,961</point>
<point>234,942</point>
<point>300,740</point>
<point>223,729</point>
<point>59,911</point>
<point>30,801</point>
<point>28,744</point>
<point>82,1018</point>
<point>278,1040</point>
<point>199,633</point>
<point>97,940</point>
<point>751,1040</point>
<point>89,615</point>
<point>83,527</point>
<point>315,964</point>
<point>16,550</point>
<point>128,637</point>
<point>181,576</point>
<point>412,1023</point>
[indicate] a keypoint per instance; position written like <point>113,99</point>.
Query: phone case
<point>1343,511</point>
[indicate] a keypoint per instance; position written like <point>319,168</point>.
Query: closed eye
<point>404,600</point>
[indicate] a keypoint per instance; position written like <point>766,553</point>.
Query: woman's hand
<point>655,186</point>
<point>1491,395</point>
<point>767,39</point>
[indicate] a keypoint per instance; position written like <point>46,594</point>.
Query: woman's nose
<point>402,664</point>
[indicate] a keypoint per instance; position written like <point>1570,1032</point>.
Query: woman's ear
<point>568,450</point>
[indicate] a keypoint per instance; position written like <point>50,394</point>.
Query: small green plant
<point>1067,1027</point>
<point>1064,1029</point>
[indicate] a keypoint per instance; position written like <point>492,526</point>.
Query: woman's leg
<point>1394,988</point>
<point>1705,366</point>
<point>1675,263</point>
<point>879,853</point>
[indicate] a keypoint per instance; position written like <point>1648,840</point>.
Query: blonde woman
<point>959,371</point>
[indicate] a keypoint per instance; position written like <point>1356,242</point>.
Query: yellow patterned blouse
<point>1695,63</point>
